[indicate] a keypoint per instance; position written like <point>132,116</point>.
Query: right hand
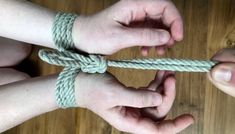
<point>135,111</point>
<point>128,23</point>
<point>223,74</point>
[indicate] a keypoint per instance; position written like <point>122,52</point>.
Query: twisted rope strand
<point>167,61</point>
<point>66,98</point>
<point>62,37</point>
<point>62,30</point>
<point>93,63</point>
<point>152,66</point>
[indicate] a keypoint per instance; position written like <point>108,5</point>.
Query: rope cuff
<point>62,31</point>
<point>62,37</point>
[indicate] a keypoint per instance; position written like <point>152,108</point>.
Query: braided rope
<point>74,62</point>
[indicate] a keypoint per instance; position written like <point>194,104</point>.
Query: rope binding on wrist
<point>73,62</point>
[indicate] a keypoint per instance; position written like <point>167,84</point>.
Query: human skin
<point>110,29</point>
<point>223,74</point>
<point>129,110</point>
<point>12,52</point>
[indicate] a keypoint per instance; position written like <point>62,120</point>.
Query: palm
<point>163,84</point>
<point>150,120</point>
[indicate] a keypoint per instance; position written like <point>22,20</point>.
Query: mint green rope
<point>74,62</point>
<point>62,37</point>
<point>62,30</point>
<point>98,64</point>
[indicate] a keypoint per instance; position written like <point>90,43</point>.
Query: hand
<point>135,111</point>
<point>128,23</point>
<point>223,74</point>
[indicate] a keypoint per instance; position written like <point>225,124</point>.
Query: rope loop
<point>90,64</point>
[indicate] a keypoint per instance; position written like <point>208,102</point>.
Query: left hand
<point>139,111</point>
<point>128,23</point>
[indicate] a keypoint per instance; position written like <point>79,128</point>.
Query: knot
<point>97,65</point>
<point>90,64</point>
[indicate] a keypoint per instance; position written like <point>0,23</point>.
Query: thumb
<point>144,37</point>
<point>223,77</point>
<point>139,98</point>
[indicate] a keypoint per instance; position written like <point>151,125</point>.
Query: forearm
<point>23,100</point>
<point>27,22</point>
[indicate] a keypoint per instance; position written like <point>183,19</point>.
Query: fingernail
<point>222,75</point>
<point>164,37</point>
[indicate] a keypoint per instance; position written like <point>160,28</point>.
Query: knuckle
<point>154,99</point>
<point>144,99</point>
<point>147,35</point>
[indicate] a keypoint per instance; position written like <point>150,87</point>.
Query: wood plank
<point>219,117</point>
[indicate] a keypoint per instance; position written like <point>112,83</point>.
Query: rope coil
<point>62,30</point>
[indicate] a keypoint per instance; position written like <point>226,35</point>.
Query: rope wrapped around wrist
<point>74,62</point>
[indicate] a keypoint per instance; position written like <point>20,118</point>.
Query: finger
<point>171,42</point>
<point>169,73</point>
<point>161,85</point>
<point>145,51</point>
<point>176,125</point>
<point>128,120</point>
<point>225,55</point>
<point>147,126</point>
<point>153,85</point>
<point>136,10</point>
<point>170,15</point>
<point>138,98</point>
<point>144,37</point>
<point>223,77</point>
<point>160,50</point>
<point>177,29</point>
<point>159,78</point>
<point>169,93</point>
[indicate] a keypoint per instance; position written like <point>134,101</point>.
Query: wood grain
<point>209,25</point>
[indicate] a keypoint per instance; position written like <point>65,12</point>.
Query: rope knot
<point>90,64</point>
<point>97,64</point>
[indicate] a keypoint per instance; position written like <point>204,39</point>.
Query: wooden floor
<point>209,26</point>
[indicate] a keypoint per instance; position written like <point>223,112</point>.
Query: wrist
<point>81,87</point>
<point>77,33</point>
